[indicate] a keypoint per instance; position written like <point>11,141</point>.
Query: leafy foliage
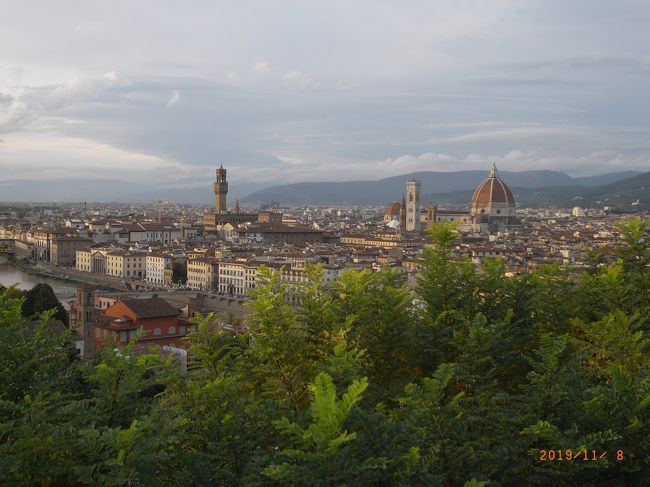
<point>179,272</point>
<point>42,298</point>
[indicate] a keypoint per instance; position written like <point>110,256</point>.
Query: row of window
<point>226,288</point>
<point>125,336</point>
<point>155,280</point>
<point>231,272</point>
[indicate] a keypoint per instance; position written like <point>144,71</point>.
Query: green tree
<point>277,370</point>
<point>63,423</point>
<point>42,298</point>
<point>445,284</point>
<point>376,308</point>
<point>635,256</point>
<point>318,453</point>
<point>179,271</point>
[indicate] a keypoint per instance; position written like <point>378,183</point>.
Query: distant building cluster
<point>200,259</point>
<point>491,210</point>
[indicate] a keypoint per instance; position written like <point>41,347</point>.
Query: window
<point>156,331</point>
<point>97,333</point>
<point>122,336</point>
<point>172,330</point>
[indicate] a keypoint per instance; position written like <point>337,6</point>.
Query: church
<point>493,206</point>
<point>492,209</point>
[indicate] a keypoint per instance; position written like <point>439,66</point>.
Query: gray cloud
<point>288,91</point>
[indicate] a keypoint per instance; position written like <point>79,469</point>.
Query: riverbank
<point>28,269</point>
<point>71,277</point>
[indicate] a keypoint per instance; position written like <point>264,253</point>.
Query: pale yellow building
<point>126,264</point>
<point>203,273</point>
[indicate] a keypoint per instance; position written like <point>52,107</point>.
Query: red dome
<point>393,210</point>
<point>492,190</point>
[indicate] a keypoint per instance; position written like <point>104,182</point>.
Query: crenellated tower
<point>220,191</point>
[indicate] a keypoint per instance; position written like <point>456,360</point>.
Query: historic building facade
<point>492,209</point>
<point>217,220</point>
<point>413,205</point>
<point>493,205</point>
<point>220,191</point>
<point>156,263</point>
<point>158,321</point>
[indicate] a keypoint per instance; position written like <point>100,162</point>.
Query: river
<point>10,275</point>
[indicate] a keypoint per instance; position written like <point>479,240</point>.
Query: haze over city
<point>118,98</point>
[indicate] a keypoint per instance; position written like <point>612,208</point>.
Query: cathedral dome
<point>393,210</point>
<point>492,191</point>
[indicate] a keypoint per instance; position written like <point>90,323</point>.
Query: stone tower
<point>413,205</point>
<point>220,191</point>
<point>432,215</point>
<point>402,217</point>
<point>86,317</point>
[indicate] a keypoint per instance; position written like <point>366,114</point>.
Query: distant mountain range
<point>455,188</point>
<point>114,190</point>
<point>531,188</point>
<point>620,194</point>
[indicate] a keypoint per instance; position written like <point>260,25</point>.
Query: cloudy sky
<point>149,96</point>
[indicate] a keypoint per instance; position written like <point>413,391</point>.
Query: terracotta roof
<point>492,190</point>
<point>277,228</point>
<point>71,238</point>
<point>119,253</point>
<point>393,209</point>
<point>146,227</point>
<point>150,308</point>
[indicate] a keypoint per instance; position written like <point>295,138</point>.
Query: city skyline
<point>94,97</point>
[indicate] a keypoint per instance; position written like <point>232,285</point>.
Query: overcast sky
<point>158,93</point>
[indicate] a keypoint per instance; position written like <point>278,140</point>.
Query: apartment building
<point>237,277</point>
<point>125,264</point>
<point>203,273</point>
<point>64,249</point>
<point>155,267</point>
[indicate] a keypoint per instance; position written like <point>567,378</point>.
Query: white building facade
<point>155,267</point>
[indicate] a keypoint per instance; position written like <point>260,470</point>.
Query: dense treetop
<point>460,382</point>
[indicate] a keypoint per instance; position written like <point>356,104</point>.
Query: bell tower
<point>86,317</point>
<point>220,191</point>
<point>402,217</point>
<point>413,205</point>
